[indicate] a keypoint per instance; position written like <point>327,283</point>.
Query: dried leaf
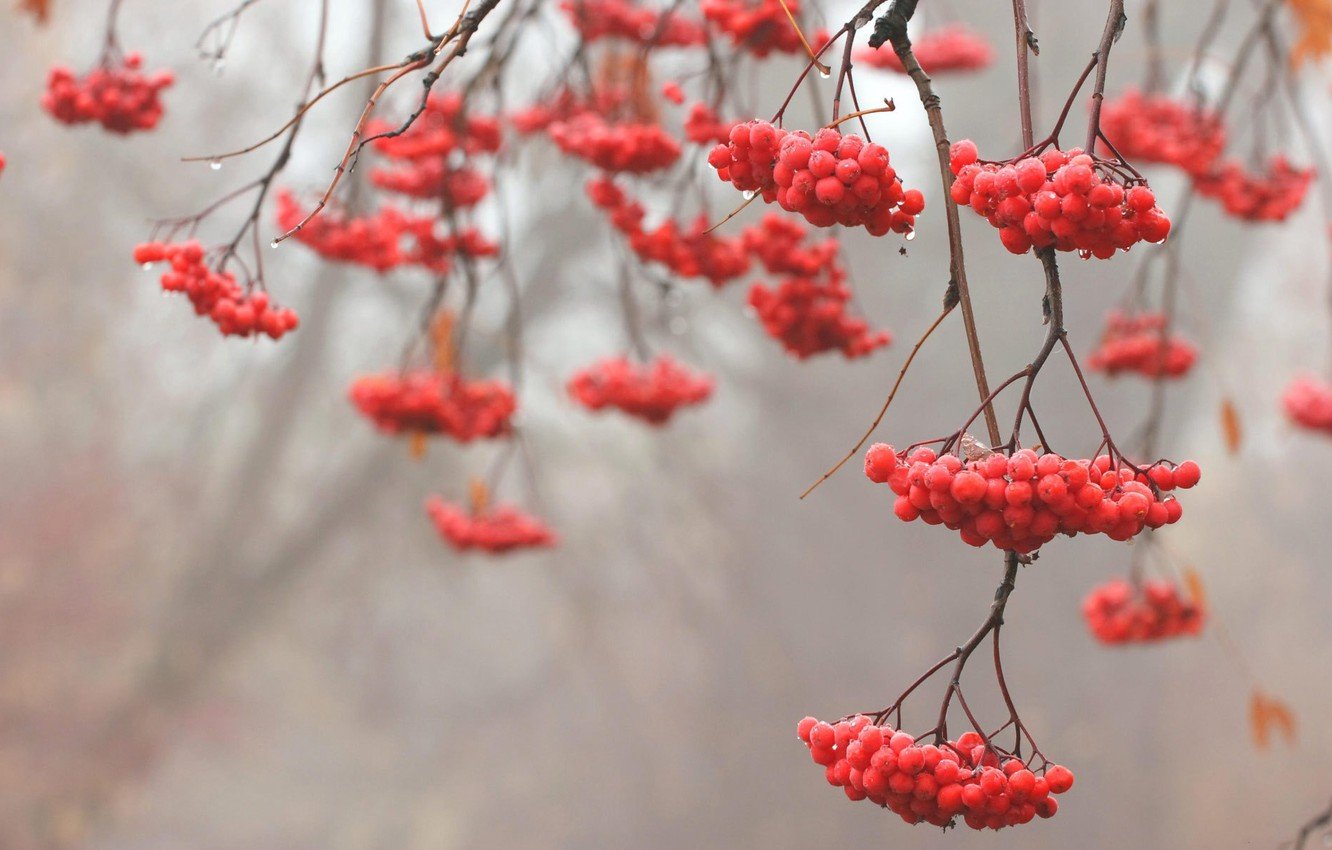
<point>1230,426</point>
<point>441,341</point>
<point>416,444</point>
<point>480,495</point>
<point>39,9</point>
<point>1314,20</point>
<point>1194,583</point>
<point>1266,713</point>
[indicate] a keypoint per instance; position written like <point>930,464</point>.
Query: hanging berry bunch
<point>1308,403</point>
<point>829,178</point>
<point>1157,128</point>
<point>1270,195</point>
<point>688,252</point>
<point>652,392</point>
<point>955,47</point>
<point>1022,502</point>
<point>429,402</point>
<point>1119,612</point>
<point>496,530</point>
<point>235,309</point>
<point>116,94</point>
<point>596,20</point>
<point>932,783</point>
<point>1066,199</point>
<point>759,27</point>
<point>1139,343</point>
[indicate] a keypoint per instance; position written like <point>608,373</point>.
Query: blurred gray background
<point>225,621</point>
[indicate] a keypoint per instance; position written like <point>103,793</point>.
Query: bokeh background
<point>225,621</point>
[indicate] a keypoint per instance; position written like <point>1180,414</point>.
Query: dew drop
<point>216,165</point>
<point>273,244</point>
<point>748,194</point>
<point>147,266</point>
<point>825,74</point>
<point>911,234</point>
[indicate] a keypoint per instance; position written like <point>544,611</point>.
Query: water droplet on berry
<point>147,266</point>
<point>216,165</point>
<point>911,234</point>
<point>748,194</point>
<point>679,325</point>
<point>1085,254</point>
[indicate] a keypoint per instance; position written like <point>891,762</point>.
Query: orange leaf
<point>441,341</point>
<point>1266,713</point>
<point>1314,19</point>
<point>1194,583</point>
<point>39,9</point>
<point>1230,426</point>
<point>480,495</point>
<point>416,444</point>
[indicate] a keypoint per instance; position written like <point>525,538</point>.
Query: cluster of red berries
<point>1135,343</point>
<point>496,530</point>
<point>808,316</point>
<point>1157,128</point>
<point>1021,502</point>
<point>431,156</point>
<point>388,239</point>
<point>120,98</point>
<point>704,127</point>
<point>427,402</point>
<point>1056,199</point>
<point>806,312</point>
<point>652,392</point>
<point>928,783</point>
<point>950,48</point>
<point>829,179</point>
<point>757,26</point>
<point>1116,612</point>
<point>598,19</point>
<point>565,104</point>
<point>689,253</point>
<point>635,147</point>
<point>1269,196</point>
<point>433,179</point>
<point>216,294</point>
<point>374,241</point>
<point>1308,403</point>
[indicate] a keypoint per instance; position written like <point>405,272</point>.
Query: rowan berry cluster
<point>1021,502</point>
<point>1066,199</point>
<point>928,783</point>
<point>704,127</point>
<point>1136,343</point>
<point>427,402</point>
<point>387,239</point>
<point>374,241</point>
<point>430,159</point>
<point>1269,196</point>
<point>634,147</point>
<point>565,104</point>
<point>808,316</point>
<point>1116,612</point>
<point>950,48</point>
<point>692,252</point>
<point>806,311</point>
<point>119,97</point>
<point>216,294</point>
<point>495,530</point>
<point>1308,403</point>
<point>1157,128</point>
<point>599,19</point>
<point>829,179</point>
<point>652,392</point>
<point>757,26</point>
